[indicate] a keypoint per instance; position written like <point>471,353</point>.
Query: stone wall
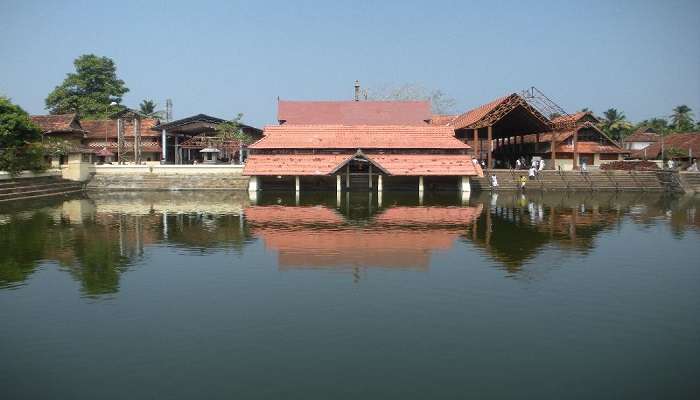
<point>168,177</point>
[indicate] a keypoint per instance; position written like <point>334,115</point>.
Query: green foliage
<point>682,119</point>
<point>54,146</point>
<point>148,109</point>
<point>674,152</point>
<point>19,137</point>
<point>231,130</point>
<point>615,124</point>
<point>658,125</point>
<point>89,90</point>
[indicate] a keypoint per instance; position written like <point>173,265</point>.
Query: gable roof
<point>575,118</point>
<point>57,123</point>
<point>583,147</point>
<point>358,137</point>
<point>442,119</point>
<point>680,141</point>
<point>490,113</point>
<point>353,112</point>
<point>642,136</point>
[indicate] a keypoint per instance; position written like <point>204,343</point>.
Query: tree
<point>658,125</point>
<point>89,90</point>
<point>233,131</point>
<point>440,102</point>
<point>148,109</point>
<point>585,109</point>
<point>682,119</point>
<point>19,140</point>
<point>615,124</point>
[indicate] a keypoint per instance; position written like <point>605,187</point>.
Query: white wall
<point>168,169</point>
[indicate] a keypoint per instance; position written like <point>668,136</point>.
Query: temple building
<point>102,137</point>
<point>65,131</point>
<point>359,145</point>
<point>191,139</point>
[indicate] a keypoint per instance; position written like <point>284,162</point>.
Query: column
<point>553,151</point>
<point>163,141</point>
<point>464,184</point>
<point>297,184</point>
<point>380,186</point>
<point>253,184</point>
<point>347,175</point>
<point>575,161</point>
<point>420,184</point>
<point>476,144</point>
<point>489,162</point>
<point>370,176</point>
<point>338,183</point>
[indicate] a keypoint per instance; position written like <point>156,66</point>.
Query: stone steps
<point>576,181</point>
<point>168,182</point>
<point>29,188</point>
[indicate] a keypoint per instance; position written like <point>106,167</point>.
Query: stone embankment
<point>596,180</point>
<point>690,181</point>
<point>168,177</point>
<point>23,188</point>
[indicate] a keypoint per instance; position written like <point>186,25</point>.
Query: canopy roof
<point>358,137</point>
<point>354,112</point>
<point>327,164</point>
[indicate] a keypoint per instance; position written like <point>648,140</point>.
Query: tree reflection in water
<point>100,237</point>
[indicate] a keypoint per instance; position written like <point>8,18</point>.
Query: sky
<point>225,57</point>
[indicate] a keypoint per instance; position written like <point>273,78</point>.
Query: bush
<point>19,140</point>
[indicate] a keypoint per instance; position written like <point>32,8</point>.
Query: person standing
<point>541,166</point>
<point>517,164</point>
<point>494,181</point>
<point>584,167</point>
<point>523,182</point>
<point>531,172</point>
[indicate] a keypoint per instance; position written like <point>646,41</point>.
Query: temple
<point>359,145</point>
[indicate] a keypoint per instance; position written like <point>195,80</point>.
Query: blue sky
<point>225,57</point>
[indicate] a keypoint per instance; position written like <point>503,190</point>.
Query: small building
<point>640,139</point>
<point>64,131</point>
<point>185,138</point>
<point>678,146</point>
<point>359,145</point>
<point>103,134</point>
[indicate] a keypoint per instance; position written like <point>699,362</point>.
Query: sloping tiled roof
<point>476,114</point>
<point>358,137</point>
<point>354,112</point>
<point>150,147</point>
<point>96,128</point>
<point>442,119</point>
<point>427,164</point>
<point>643,137</point>
<point>293,164</point>
<point>680,141</point>
<point>574,118</point>
<point>393,164</point>
<point>57,123</point>
<point>583,147</point>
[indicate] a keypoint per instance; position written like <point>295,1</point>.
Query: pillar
<point>464,184</point>
<point>253,184</point>
<point>347,175</point>
<point>379,198</point>
<point>163,141</point>
<point>575,161</point>
<point>370,176</point>
<point>489,162</point>
<point>477,155</point>
<point>297,183</point>
<point>420,184</point>
<point>380,186</point>
<point>553,151</point>
<point>338,184</point>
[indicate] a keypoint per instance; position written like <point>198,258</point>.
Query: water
<point>202,295</point>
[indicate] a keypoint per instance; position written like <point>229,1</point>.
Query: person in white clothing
<point>584,167</point>
<point>517,164</point>
<point>531,173</point>
<point>541,165</point>
<point>494,180</point>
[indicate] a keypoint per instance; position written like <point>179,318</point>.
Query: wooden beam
<point>553,151</point>
<point>476,144</point>
<point>575,149</point>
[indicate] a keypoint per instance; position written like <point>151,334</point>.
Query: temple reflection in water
<point>96,239</point>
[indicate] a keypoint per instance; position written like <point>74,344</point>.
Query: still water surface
<point>204,295</point>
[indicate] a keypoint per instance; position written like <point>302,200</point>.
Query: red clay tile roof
<point>393,164</point>
<point>643,137</point>
<point>57,123</point>
<point>284,215</point>
<point>476,114</point>
<point>411,216</point>
<point>575,117</point>
<point>583,147</point>
<point>358,137</point>
<point>150,147</point>
<point>293,164</point>
<point>442,119</point>
<point>354,112</point>
<point>590,147</point>
<point>96,128</point>
<point>427,164</point>
<point>680,141</point>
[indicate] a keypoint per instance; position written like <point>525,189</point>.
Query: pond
<point>210,295</point>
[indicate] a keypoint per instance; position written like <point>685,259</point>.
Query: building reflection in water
<point>97,238</point>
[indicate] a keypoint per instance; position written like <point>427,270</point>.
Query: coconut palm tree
<point>615,124</point>
<point>682,118</point>
<point>148,109</point>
